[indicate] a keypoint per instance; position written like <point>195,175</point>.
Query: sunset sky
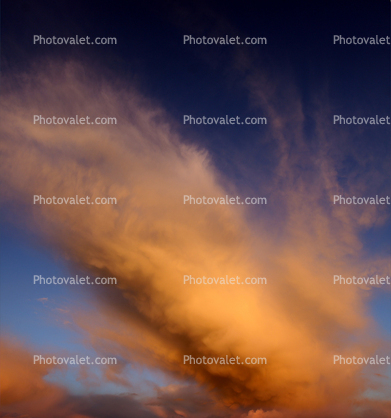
<point>149,80</point>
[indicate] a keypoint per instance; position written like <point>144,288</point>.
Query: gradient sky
<point>149,240</point>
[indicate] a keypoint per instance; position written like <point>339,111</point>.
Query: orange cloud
<point>25,393</point>
<point>150,239</point>
<point>23,382</point>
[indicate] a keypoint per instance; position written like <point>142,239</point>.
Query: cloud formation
<point>150,239</point>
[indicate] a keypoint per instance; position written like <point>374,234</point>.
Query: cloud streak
<point>149,240</point>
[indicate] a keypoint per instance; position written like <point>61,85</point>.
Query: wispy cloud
<point>149,240</point>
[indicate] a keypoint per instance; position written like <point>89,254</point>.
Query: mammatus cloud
<point>150,239</point>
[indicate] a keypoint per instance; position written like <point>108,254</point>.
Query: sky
<point>150,320</point>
